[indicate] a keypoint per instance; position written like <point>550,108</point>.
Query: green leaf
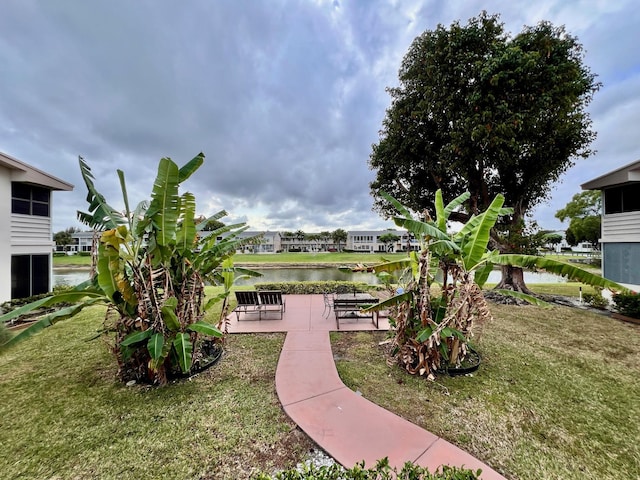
<point>476,245</point>
<point>163,210</point>
<point>424,334</point>
<point>169,316</point>
<point>522,296</point>
<point>440,218</point>
<point>50,319</point>
<point>155,346</point>
<point>205,328</point>
<point>136,337</point>
<point>183,348</point>
<point>188,169</point>
<point>187,230</point>
<point>102,215</point>
<point>455,203</point>
<point>482,274</point>
<point>572,272</point>
<point>396,204</point>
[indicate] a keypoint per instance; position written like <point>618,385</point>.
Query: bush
<point>627,304</point>
<point>308,288</point>
<point>595,300</point>
<point>59,254</point>
<point>382,471</point>
<point>84,254</point>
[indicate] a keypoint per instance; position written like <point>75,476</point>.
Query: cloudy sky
<point>285,98</point>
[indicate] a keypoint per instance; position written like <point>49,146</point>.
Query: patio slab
<point>347,426</point>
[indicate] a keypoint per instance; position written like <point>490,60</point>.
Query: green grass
<point>555,397</point>
<point>64,414</point>
<point>287,258</point>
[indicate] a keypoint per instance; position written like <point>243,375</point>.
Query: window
<point>29,199</point>
<point>29,275</point>
<point>621,199</point>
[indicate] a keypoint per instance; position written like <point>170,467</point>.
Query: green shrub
<point>84,254</point>
<point>59,254</point>
<point>595,300</point>
<point>382,471</point>
<point>627,304</point>
<point>309,288</point>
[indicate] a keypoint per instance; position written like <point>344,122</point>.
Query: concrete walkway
<point>347,426</point>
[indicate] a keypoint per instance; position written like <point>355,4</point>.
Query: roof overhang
<point>628,173</point>
<point>21,172</point>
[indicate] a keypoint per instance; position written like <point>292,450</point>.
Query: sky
<point>285,98</point>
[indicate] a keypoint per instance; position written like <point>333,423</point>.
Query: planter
<point>469,365</point>
<point>624,318</point>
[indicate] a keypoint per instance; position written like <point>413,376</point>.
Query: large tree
<point>584,214</point>
<point>481,111</point>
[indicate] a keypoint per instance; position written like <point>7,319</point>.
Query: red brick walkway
<point>347,426</point>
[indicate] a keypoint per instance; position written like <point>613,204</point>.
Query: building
<point>620,234</point>
<point>26,246</point>
<point>369,241</point>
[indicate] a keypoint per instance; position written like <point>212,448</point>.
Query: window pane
<point>20,276</point>
<point>613,200</point>
<point>40,194</point>
<point>631,198</point>
<point>20,206</point>
<point>20,190</point>
<point>39,274</point>
<point>40,209</point>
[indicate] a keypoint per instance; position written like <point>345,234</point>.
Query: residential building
<point>369,241</point>
<point>620,234</point>
<point>26,245</point>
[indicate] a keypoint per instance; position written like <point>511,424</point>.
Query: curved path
<point>347,426</point>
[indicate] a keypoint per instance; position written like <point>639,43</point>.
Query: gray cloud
<point>284,97</point>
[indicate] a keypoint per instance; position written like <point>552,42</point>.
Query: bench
<point>248,302</point>
<point>271,301</point>
<point>347,306</point>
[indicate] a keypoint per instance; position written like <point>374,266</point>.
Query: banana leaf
<point>216,216</point>
<point>455,203</point>
<point>187,229</point>
<point>421,229</point>
<point>163,210</point>
<point>389,302</point>
<point>476,246</point>
<point>102,215</point>
<point>155,346</point>
<point>184,350</point>
<point>396,204</point>
<point>559,268</point>
<point>136,337</point>
<point>205,328</point>
<point>49,320</point>
<point>522,296</point>
<point>190,167</point>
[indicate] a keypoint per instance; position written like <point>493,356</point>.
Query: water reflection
<point>75,276</point>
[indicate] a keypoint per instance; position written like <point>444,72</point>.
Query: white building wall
<point>5,234</point>
<point>621,227</point>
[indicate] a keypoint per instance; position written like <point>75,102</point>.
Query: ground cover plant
<point>64,418</point>
<point>555,397</point>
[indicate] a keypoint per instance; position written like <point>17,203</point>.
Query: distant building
<point>369,241</point>
<point>26,245</point>
<point>620,234</point>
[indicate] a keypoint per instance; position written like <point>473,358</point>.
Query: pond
<point>75,276</point>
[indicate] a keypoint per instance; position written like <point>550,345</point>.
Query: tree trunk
<point>513,279</point>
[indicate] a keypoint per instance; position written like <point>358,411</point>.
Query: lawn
<point>64,415</point>
<point>286,258</point>
<point>557,394</point>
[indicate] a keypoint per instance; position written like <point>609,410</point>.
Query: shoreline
<point>257,266</point>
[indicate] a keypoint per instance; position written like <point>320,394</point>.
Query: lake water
<point>75,276</point>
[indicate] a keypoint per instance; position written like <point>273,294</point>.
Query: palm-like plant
<point>151,269</point>
<point>433,326</point>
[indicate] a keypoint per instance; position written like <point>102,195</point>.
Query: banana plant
<point>151,269</point>
<point>433,327</point>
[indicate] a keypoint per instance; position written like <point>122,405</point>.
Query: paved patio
<point>347,426</point>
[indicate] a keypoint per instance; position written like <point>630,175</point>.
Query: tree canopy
<point>478,110</point>
<point>584,212</point>
<point>481,111</point>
